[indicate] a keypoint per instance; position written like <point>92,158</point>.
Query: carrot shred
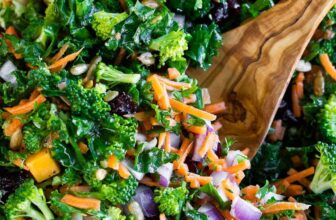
<point>195,129</point>
<point>283,206</point>
<point>299,175</point>
<point>212,156</point>
<point>27,107</point>
<point>164,101</point>
<point>296,102</point>
<point>182,170</point>
<point>228,189</point>
<point>207,144</point>
<point>282,186</point>
<point>239,176</point>
<point>173,73</point>
<point>123,171</point>
<point>177,85</point>
<point>167,142</point>
<point>246,164</point>
<point>249,193</point>
<point>162,138</point>
<point>194,184</point>
<point>12,127</point>
<point>304,181</point>
<point>181,107</point>
<point>59,54</point>
<point>63,61</point>
<point>82,203</point>
<point>183,152</point>
<point>294,190</point>
<point>113,162</point>
<point>328,66</point>
<point>299,85</point>
<point>216,108</point>
<point>157,87</point>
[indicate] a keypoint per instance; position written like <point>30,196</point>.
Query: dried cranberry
<point>9,181</point>
<point>123,104</point>
<point>234,6</point>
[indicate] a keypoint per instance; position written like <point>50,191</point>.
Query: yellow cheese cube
<point>42,166</point>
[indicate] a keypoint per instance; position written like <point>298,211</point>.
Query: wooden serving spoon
<point>255,65</point>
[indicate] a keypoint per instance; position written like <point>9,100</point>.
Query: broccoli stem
<point>33,214</point>
<point>44,209</point>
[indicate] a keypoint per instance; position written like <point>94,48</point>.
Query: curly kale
<point>104,22</point>
<point>170,200</point>
<point>325,174</point>
<point>33,138</point>
<point>327,120</point>
<point>86,102</point>
<point>28,201</point>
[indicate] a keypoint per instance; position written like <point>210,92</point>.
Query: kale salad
<point>101,121</point>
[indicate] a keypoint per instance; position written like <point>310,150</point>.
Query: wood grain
<point>255,65</point>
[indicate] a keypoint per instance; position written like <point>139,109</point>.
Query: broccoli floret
<point>86,102</point>
<point>171,46</point>
<point>325,173</point>
<point>28,201</point>
<point>104,22</point>
<point>32,138</point>
<point>112,76</point>
<point>114,213</point>
<point>170,200</point>
<point>327,120</point>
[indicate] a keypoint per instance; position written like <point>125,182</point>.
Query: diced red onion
<point>145,197</point>
<point>222,194</point>
<point>6,72</point>
<point>165,171</point>
<point>211,212</point>
<point>180,19</point>
<point>232,156</point>
<point>198,144</point>
<point>128,163</point>
<point>218,177</point>
<point>151,144</point>
<point>175,140</point>
<point>243,210</point>
<point>140,137</point>
<point>271,195</point>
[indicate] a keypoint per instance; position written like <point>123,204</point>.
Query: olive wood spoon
<point>255,65</point>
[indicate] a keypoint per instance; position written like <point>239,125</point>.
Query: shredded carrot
<point>328,66</point>
<point>207,144</point>
<point>157,87</point>
<point>296,107</point>
<point>283,206</point>
<point>34,95</point>
<point>173,73</point>
<point>82,203</point>
<point>123,171</point>
<point>164,101</point>
<point>163,216</point>
<point>27,107</point>
<point>212,156</point>
<point>294,190</point>
<point>304,181</point>
<point>147,125</point>
<point>246,164</point>
<point>153,121</point>
<point>249,193</point>
<point>113,162</point>
<point>216,108</point>
<point>183,153</point>
<point>239,176</point>
<point>217,125</point>
<point>296,160</point>
<point>162,138</point>
<point>181,107</point>
<point>282,186</point>
<point>194,184</point>
<point>83,147</point>
<point>300,175</point>
<point>182,170</point>
<point>203,180</point>
<point>299,85</point>
<point>195,129</point>
<point>63,61</point>
<point>11,31</point>
<point>177,85</point>
<point>228,189</point>
<point>60,53</point>
<point>12,127</point>
<point>167,142</point>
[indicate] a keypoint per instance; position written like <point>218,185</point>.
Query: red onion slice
<point>165,171</point>
<point>129,164</point>
<point>211,212</point>
<point>218,177</point>
<point>198,144</point>
<point>175,140</point>
<point>244,210</point>
<point>145,197</point>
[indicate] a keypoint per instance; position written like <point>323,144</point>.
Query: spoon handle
<point>255,65</point>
